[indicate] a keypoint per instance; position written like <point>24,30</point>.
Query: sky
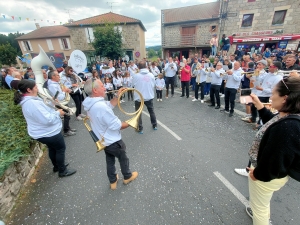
<point>45,12</point>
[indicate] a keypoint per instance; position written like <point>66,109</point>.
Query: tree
<point>8,54</point>
<point>151,53</point>
<point>159,53</point>
<point>108,41</point>
<point>11,39</point>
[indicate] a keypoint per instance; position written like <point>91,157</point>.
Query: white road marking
<point>232,189</point>
<point>166,128</point>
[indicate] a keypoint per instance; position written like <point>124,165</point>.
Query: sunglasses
<point>283,81</point>
<point>272,66</point>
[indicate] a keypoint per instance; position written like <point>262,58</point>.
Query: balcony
<point>190,40</point>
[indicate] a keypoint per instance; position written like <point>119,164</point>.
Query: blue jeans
<point>117,149</point>
<point>207,88</point>
<point>193,83</point>
<point>56,149</point>
<point>149,105</point>
<point>213,50</point>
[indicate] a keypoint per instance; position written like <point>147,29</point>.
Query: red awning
<point>266,38</point>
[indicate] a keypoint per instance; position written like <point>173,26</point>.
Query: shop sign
<point>259,33</point>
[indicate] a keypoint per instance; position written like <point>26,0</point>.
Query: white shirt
<point>118,82</point>
<point>127,81</point>
<point>104,122</point>
<point>53,87</point>
<point>132,69</point>
<point>155,71</point>
<point>170,69</point>
<point>160,83</point>
<point>144,82</point>
<point>42,121</point>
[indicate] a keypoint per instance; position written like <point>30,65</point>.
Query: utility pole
<point>111,5</point>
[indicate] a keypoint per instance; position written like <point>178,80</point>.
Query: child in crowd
<point>109,87</point>
<point>160,84</point>
<point>118,81</point>
<point>127,81</point>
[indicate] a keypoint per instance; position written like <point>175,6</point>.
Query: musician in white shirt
<point>216,81</point>
<point>170,75</point>
<point>109,71</point>
<point>154,70</point>
<point>132,68</point>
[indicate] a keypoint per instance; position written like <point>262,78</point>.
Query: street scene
<point>126,112</point>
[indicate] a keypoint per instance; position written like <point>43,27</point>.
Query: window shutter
<point>60,44</point>
<point>68,41</point>
<point>23,46</point>
<point>87,35</point>
<point>31,49</point>
<point>50,46</point>
<point>91,33</point>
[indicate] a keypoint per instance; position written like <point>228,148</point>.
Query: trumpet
<point>56,105</point>
<point>289,71</point>
<point>207,69</point>
<point>99,143</point>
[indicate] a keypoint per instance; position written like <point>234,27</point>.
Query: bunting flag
<point>13,17</point>
<point>20,18</point>
<point>27,19</point>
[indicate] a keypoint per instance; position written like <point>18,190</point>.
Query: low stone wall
<point>15,178</point>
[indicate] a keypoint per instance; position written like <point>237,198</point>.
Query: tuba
<point>36,64</point>
<point>133,122</point>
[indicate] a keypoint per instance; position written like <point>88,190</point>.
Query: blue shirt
<point>8,80</point>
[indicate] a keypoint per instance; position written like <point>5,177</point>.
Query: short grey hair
<point>16,73</point>
<point>51,73</point>
<point>88,86</point>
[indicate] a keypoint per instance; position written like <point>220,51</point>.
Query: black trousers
<point>78,100</point>
<point>159,94</point>
<point>254,110</point>
<point>130,95</point>
<point>149,105</point>
<point>117,149</point>
<point>201,86</point>
<point>56,150</point>
<point>185,85</point>
<point>214,93</point>
<point>230,95</point>
<point>170,81</point>
<point>110,96</point>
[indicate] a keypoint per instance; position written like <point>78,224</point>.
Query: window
<point>49,43</point>
<point>247,20</point>
<point>213,28</point>
<point>26,46</point>
<point>64,43</point>
<point>89,33</point>
<point>278,18</point>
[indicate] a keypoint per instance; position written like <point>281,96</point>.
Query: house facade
<point>188,30</point>
<point>261,24</point>
<point>133,34</point>
<point>55,41</point>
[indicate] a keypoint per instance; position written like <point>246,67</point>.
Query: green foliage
<point>8,54</point>
<point>108,41</point>
<point>151,53</point>
<point>11,39</point>
<point>14,139</point>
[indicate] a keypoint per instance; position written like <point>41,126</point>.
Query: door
<point>188,35</point>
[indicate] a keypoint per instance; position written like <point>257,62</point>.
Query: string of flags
<point>19,18</point>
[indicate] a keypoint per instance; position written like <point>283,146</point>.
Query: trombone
<point>133,122</point>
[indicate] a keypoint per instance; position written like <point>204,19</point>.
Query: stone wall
<point>263,11</point>
<point>15,178</point>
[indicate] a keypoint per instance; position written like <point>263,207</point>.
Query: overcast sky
<point>149,12</point>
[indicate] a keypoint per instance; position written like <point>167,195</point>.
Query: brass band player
<point>55,87</point>
<point>107,125</point>
<point>216,81</point>
<point>170,73</point>
<point>185,78</point>
<point>201,76</point>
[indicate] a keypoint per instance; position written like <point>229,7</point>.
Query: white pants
<point>260,197</point>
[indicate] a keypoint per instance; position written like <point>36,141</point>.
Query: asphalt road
<point>177,181</point>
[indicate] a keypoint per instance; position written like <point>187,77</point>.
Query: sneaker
<point>157,100</point>
<point>122,100</point>
<point>67,172</point>
<point>69,133</point>
<point>222,96</point>
<point>181,96</point>
<point>195,99</point>
<point>242,172</point>
<point>249,212</point>
<point>224,110</point>
<point>202,101</point>
<point>113,186</point>
<point>133,177</point>
<point>167,96</point>
<point>161,100</point>
<point>78,118</point>
<point>187,96</point>
<point>217,107</point>
<point>141,132</point>
<point>82,115</point>
<point>155,128</point>
<point>73,130</point>
<point>230,114</point>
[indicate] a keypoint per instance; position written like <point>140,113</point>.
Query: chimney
<point>37,25</point>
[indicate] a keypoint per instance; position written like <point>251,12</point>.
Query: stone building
<point>55,41</point>
<point>264,23</point>
<point>133,34</point>
<point>188,30</point>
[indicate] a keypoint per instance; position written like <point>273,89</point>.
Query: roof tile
<point>46,32</point>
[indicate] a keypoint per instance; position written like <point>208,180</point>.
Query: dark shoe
<point>55,169</point>
<point>69,133</point>
<point>224,110</point>
<point>187,96</point>
<point>230,114</point>
<point>67,172</point>
<point>181,96</point>
<point>211,105</point>
<point>217,107</point>
<point>133,177</point>
<point>141,132</point>
<point>172,96</point>
<point>154,127</point>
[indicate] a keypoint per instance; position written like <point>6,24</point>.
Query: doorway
<point>185,54</point>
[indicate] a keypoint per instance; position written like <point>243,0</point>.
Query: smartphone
<point>245,97</point>
<point>245,92</point>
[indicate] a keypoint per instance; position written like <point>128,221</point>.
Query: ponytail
<point>22,87</point>
<point>18,97</point>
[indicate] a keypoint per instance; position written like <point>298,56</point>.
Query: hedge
<point>14,140</point>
